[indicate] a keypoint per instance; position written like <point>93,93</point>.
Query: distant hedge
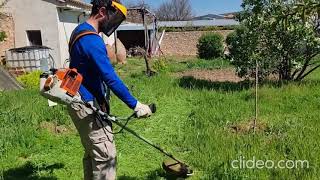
<point>210,46</point>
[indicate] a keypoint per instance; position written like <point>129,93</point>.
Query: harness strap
<point>105,106</point>
<point>75,37</point>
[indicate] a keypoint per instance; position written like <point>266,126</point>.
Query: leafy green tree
<point>282,36</point>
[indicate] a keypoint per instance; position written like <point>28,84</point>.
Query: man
<point>89,56</point>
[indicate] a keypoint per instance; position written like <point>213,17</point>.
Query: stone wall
<point>6,25</point>
<point>134,16</point>
<point>184,43</point>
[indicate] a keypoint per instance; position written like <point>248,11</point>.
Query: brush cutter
<point>172,166</point>
<point>62,86</point>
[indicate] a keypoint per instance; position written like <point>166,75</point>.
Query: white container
<point>29,58</point>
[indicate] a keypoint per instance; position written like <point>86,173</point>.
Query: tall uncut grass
<point>193,121</point>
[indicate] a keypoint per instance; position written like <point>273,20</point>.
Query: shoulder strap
<point>75,37</point>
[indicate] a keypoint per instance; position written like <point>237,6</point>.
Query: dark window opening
<point>34,38</point>
<point>131,38</point>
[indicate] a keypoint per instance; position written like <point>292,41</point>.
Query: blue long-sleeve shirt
<point>89,56</point>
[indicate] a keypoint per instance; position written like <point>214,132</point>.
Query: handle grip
<point>153,108</point>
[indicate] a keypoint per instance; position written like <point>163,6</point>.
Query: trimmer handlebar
<point>124,127</point>
<point>153,108</point>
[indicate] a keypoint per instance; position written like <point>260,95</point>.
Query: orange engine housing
<point>71,80</point>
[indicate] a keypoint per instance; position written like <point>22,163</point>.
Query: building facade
<point>46,23</point>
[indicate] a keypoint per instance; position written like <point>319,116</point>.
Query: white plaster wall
<point>68,21</point>
<point>55,24</point>
<point>36,15</point>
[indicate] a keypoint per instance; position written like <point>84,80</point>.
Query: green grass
<point>192,121</point>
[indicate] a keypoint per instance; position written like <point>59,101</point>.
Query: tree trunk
<point>149,71</point>
<point>146,44</point>
<point>307,73</point>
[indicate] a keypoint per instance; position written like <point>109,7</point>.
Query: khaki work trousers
<point>99,160</point>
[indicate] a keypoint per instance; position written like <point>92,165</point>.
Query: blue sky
<point>202,7</point>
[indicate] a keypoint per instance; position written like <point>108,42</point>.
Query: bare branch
<point>175,10</point>
<point>138,4</point>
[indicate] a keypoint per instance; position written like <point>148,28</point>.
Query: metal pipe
<point>147,141</point>
<point>116,121</point>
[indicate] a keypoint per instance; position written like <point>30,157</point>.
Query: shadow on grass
<point>30,171</point>
<point>127,178</point>
<point>160,173</point>
<point>190,82</point>
<point>152,175</point>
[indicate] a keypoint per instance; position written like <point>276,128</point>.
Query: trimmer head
<point>177,169</point>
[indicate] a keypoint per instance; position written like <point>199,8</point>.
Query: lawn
<point>195,121</point>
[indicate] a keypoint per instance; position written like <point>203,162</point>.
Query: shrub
<point>210,46</point>
<point>160,65</point>
<point>240,48</point>
<point>3,36</point>
<point>282,37</point>
<point>31,80</point>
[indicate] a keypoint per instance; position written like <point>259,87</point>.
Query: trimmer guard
<point>177,169</point>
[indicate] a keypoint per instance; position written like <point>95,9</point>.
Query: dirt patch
<point>54,128</point>
<point>218,75</point>
<point>248,127</point>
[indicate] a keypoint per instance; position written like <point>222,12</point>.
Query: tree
<point>137,4</point>
<point>175,10</point>
<point>282,36</point>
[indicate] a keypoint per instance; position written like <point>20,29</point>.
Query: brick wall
<point>184,43</point>
<point>6,25</point>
